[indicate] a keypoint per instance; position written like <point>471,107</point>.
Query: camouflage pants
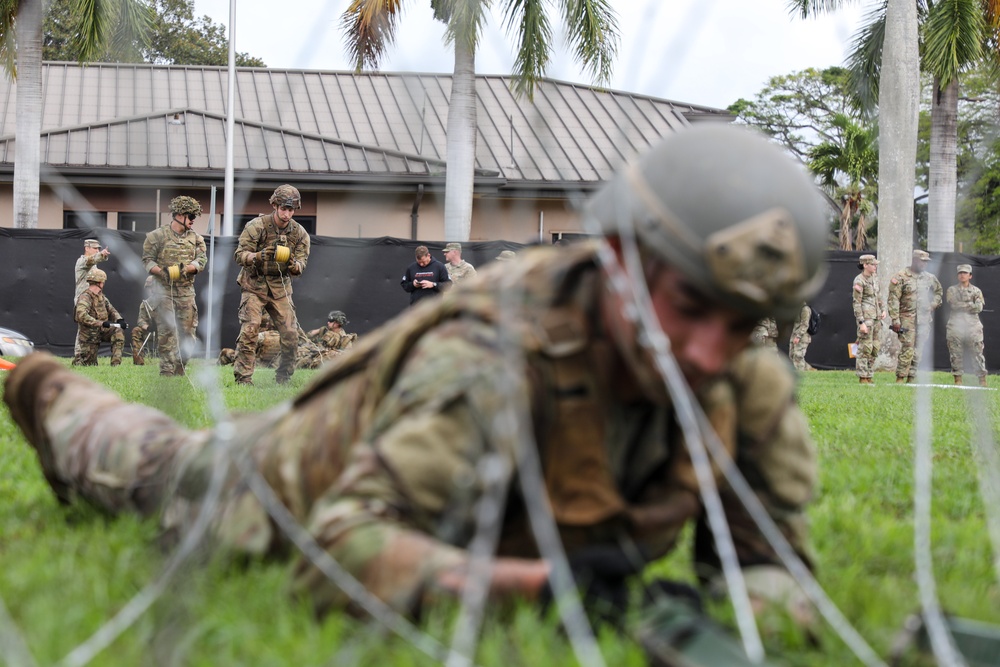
<point>864,359</point>
<point>909,358</point>
<point>958,342</point>
<point>282,312</point>
<point>89,339</point>
<point>176,320</point>
<point>797,352</point>
<point>143,324</point>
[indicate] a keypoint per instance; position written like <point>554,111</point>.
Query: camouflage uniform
<point>83,265</point>
<point>266,286</point>
<point>92,311</point>
<point>144,324</point>
<point>333,339</point>
<point>868,308</point>
<point>965,331</point>
<point>367,459</point>
<point>797,351</point>
<point>307,355</point>
<point>461,271</point>
<point>175,311</point>
<point>913,297</point>
<point>765,334</point>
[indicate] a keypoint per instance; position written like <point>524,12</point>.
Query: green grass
<point>65,571</point>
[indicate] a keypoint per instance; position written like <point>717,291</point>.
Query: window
<point>308,223</point>
<point>137,222</point>
<point>85,219</point>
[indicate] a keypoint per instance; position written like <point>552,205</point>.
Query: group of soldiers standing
<point>272,249</point>
<point>914,295</point>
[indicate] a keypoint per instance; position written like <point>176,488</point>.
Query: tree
<point>369,27</point>
<point>849,167</point>
<point>175,37</point>
<point>118,25</point>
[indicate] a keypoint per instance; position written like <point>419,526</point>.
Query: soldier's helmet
<point>286,195</point>
<point>185,206</point>
<point>730,211</point>
<point>95,275</point>
<point>337,316</point>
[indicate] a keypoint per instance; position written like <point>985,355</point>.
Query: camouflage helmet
<point>337,316</point>
<point>95,275</point>
<point>185,206</point>
<point>730,211</point>
<point>286,195</point>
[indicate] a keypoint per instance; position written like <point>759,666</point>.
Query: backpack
<point>814,319</point>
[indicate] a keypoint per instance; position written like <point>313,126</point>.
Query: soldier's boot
<point>911,380</point>
<point>958,379</point>
<point>982,381</point>
<point>864,380</point>
<point>900,380</point>
<point>137,360</point>
<point>29,391</point>
<point>116,362</point>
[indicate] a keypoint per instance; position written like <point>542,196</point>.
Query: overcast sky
<point>708,52</point>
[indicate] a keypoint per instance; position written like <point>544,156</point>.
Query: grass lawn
<point>65,571</point>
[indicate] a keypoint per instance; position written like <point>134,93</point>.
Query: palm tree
<point>955,35</point>
<point>592,30</point>
<point>852,155</point>
<point>118,24</point>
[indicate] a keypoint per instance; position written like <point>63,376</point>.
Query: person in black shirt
<point>425,277</point>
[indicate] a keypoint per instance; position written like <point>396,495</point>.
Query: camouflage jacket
<point>800,329</point>
<point>164,247</point>
<point>83,265</point>
<point>867,300</point>
<point>333,340</point>
<point>93,310</point>
<point>459,273</point>
<point>270,278</point>
<point>966,303</point>
<point>380,456</point>
<point>905,301</point>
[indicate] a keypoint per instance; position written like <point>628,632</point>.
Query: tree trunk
<point>861,233</point>
<point>899,87</point>
<point>28,114</point>
<point>845,223</point>
<point>943,187</point>
<point>461,151</point>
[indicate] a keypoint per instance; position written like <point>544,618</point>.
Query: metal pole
<point>210,335</point>
<point>227,211</point>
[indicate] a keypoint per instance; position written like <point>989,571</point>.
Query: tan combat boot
<point>137,360</point>
<point>900,380</point>
<point>958,379</point>
<point>865,380</point>
<point>982,381</point>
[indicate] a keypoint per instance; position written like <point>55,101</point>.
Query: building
<point>366,150</point>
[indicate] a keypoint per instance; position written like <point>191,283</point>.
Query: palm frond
<point>865,60</point>
<point>953,36</point>
<point>811,8</point>
<point>8,41</point>
<point>369,28</point>
<point>465,20</point>
<point>526,20</point>
<point>592,29</point>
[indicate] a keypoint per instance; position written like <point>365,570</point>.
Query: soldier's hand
<point>895,327</point>
<point>267,254</point>
<point>190,268</point>
<point>106,324</point>
<point>863,328</point>
<point>122,323</point>
<point>105,252</point>
<point>295,268</point>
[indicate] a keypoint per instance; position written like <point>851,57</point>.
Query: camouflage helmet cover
<point>185,206</point>
<point>730,211</point>
<point>337,316</point>
<point>286,195</point>
<point>95,275</point>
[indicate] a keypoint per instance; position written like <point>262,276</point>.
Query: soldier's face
<point>704,335</point>
<point>870,269</point>
<point>89,250</point>
<point>452,256</point>
<point>964,278</point>
<point>283,214</point>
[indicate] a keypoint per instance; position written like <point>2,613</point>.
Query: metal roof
<point>103,116</point>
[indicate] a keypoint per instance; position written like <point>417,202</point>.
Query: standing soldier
<point>869,311</point>
<point>174,254</point>
<point>144,324</point>
<point>272,249</point>
<point>97,321</point>
<point>458,268</point>
<point>91,257</point>
<point>914,295</point>
<point>333,336</point>
<point>765,333</point>
<point>964,328</point>
<point>799,342</point>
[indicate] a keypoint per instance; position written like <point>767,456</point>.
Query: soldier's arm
<point>936,300</point>
<point>81,314</point>
<point>150,252</point>
<point>894,290</point>
<point>300,253</point>
<point>857,292</point>
<point>978,303</point>
<point>200,260</point>
<point>801,324</point>
<point>420,472</point>
<point>246,249</point>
